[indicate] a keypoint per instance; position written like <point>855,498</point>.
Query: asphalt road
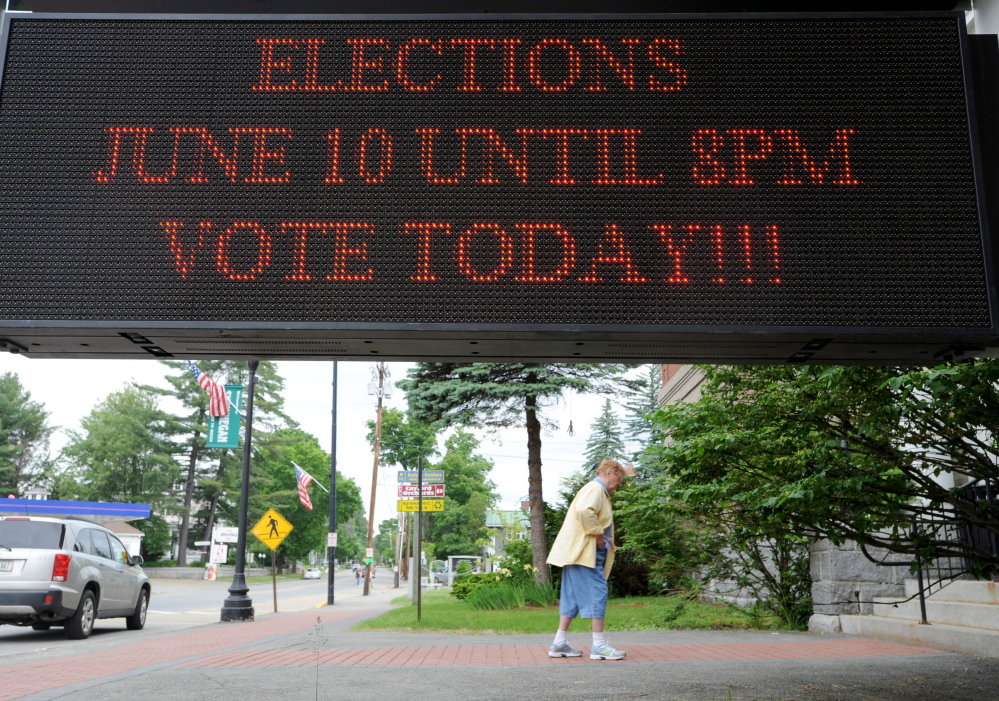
<point>180,603</point>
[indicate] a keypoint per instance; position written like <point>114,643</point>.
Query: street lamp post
<point>238,606</point>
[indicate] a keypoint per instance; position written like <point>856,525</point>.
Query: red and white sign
<point>411,491</point>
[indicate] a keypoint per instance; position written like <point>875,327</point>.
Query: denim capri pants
<point>584,589</point>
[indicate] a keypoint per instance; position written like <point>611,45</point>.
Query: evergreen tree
<point>24,436</point>
<point>268,413</point>
<point>500,395</point>
<point>641,403</point>
<point>605,441</point>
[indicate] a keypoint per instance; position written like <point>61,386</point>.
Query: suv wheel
<point>138,619</point>
<point>81,623</point>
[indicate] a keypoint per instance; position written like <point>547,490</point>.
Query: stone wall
<point>846,582</point>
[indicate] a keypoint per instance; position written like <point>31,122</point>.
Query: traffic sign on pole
<point>411,491</point>
<point>414,505</point>
<point>429,477</point>
<point>271,529</point>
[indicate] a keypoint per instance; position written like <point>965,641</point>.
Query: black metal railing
<point>934,574</point>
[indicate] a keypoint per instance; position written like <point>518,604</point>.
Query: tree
<point>605,441</point>
<point>843,452</point>
<point>404,440</point>
<point>470,493</point>
<point>641,402</point>
<point>24,436</point>
<point>126,451</point>
<point>384,545</point>
<point>500,395</point>
<point>221,489</point>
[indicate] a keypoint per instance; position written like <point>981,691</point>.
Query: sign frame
<point>730,343</point>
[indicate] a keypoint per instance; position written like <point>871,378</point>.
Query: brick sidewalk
<point>17,680</point>
<point>517,655</point>
<point>255,645</point>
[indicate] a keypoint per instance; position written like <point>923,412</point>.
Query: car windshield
<point>44,535</point>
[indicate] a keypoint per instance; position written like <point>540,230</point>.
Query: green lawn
<point>444,613</point>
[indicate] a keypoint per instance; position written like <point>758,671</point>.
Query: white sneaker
<point>604,651</point>
<point>565,650</point>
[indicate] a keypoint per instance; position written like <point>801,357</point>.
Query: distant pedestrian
<point>357,576</point>
<point>584,549</point>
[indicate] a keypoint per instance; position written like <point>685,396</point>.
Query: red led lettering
<point>260,153</point>
<point>312,47</point>
<point>139,134</point>
<point>626,72</point>
<point>384,156</point>
<point>568,253</point>
<point>795,153</point>
<point>773,247</point>
<point>360,63</point>
<point>463,257</point>
<point>301,239</point>
<point>269,64</point>
<point>716,239</point>
<point>207,142</point>
<point>619,255</point>
<point>225,242</point>
<point>676,250</point>
<point>509,65</point>
<point>534,68</point>
<point>402,65</point>
<point>746,252</point>
<point>562,176</point>
<point>427,158</point>
<point>426,231</point>
<point>493,144</point>
<point>333,157</point>
<point>679,74</point>
<point>708,170</point>
<point>183,260</point>
<point>469,46</point>
<point>630,146</point>
<point>343,251</point>
<point>742,156</point>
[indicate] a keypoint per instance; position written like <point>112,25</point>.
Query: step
<point>970,591</point>
<point>969,641</point>
<point>954,613</point>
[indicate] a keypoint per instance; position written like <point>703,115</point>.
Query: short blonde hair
<point>608,467</point>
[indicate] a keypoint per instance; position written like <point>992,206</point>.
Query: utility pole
<point>399,531</point>
<point>382,373</point>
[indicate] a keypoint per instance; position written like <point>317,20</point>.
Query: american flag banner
<point>304,479</point>
<point>217,404</point>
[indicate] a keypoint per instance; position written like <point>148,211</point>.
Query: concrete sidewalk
<point>311,654</point>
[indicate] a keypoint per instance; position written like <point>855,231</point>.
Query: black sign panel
<point>793,176</point>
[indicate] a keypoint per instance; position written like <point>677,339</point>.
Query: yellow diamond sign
<point>271,529</point>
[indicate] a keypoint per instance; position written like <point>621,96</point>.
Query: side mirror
<point>135,560</point>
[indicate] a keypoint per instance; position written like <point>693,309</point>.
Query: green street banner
<point>223,431</point>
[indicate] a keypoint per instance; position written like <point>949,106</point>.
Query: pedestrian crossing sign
<point>271,529</point>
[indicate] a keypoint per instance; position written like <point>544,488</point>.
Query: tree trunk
<point>539,545</point>
<point>213,507</point>
<point>185,519</point>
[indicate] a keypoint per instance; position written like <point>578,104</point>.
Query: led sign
<point>536,181</point>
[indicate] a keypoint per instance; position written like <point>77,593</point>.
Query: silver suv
<point>69,573</point>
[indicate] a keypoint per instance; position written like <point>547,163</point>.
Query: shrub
<point>159,563</point>
<point>505,596</point>
<point>466,583</point>
<point>540,594</point>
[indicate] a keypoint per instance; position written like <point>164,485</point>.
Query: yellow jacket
<point>588,516</point>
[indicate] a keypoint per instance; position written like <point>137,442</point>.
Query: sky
<point>70,389</point>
